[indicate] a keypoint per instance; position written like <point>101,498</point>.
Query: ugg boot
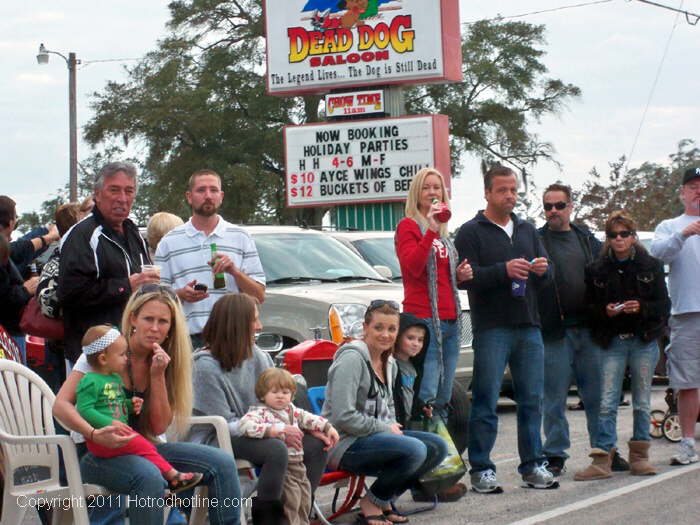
<point>639,459</point>
<point>268,512</point>
<point>599,468</point>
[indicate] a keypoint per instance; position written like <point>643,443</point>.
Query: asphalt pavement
<point>671,497</point>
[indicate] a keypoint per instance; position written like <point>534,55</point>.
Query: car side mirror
<point>384,271</point>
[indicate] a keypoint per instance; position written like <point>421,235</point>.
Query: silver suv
<point>319,288</point>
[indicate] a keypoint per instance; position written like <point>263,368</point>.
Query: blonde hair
<point>413,200</point>
<point>178,374</point>
<point>158,225</point>
<point>274,378</point>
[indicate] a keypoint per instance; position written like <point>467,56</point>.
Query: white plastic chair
<point>28,438</point>
<point>223,438</point>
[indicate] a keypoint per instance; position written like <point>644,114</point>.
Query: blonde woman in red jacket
<point>430,276</point>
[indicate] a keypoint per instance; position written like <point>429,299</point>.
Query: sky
<point>611,50</point>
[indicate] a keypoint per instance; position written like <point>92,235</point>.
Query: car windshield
<point>290,257</point>
<point>380,250</point>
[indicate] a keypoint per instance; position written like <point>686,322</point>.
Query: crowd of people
<point>148,345</point>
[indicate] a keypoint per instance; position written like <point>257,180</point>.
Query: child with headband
<point>101,402</point>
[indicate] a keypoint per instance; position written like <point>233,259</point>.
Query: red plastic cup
<point>444,214</point>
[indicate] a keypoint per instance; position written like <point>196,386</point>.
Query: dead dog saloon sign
<point>318,45</point>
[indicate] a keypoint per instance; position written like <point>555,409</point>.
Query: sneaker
<point>619,464</point>
<point>540,478</point>
<point>686,453</point>
<point>556,466</point>
<point>485,482</point>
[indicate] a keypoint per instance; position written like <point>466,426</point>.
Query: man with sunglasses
<point>101,258</point>
<point>569,350</point>
<point>677,243</point>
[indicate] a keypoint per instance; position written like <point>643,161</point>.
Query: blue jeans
<point>434,388</point>
<point>641,359</point>
<point>577,355</point>
<point>397,461</point>
<point>520,347</point>
<point>139,479</point>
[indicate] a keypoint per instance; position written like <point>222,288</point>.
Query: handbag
<point>452,467</point>
<point>33,322</point>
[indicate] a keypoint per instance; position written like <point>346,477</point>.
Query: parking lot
<point>670,497</point>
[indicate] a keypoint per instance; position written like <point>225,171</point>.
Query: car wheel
<point>458,420</point>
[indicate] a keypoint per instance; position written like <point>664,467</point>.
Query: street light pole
<point>72,131</point>
<point>71,62</point>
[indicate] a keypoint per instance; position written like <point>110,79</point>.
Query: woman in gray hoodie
<point>359,403</point>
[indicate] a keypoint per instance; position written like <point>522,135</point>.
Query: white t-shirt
<point>683,256</point>
<point>508,228</point>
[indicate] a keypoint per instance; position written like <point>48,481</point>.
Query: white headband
<point>103,342</point>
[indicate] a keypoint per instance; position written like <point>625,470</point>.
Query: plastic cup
<point>151,268</point>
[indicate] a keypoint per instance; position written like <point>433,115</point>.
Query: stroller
<point>667,424</point>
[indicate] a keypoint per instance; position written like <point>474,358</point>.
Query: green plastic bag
<point>451,469</point>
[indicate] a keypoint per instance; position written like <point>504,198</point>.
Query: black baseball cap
<point>692,173</point>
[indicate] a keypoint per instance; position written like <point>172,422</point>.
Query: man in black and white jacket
<point>101,258</point>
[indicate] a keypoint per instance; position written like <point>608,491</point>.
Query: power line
<point>653,86</point>
<point>687,14</point>
<point>539,12</point>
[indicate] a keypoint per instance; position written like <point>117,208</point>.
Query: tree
<point>649,193</point>
<point>504,92</point>
<point>199,101</point>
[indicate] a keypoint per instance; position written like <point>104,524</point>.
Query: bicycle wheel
<point>656,424</point>
<point>672,428</point>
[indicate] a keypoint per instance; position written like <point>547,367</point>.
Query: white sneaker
<point>485,482</point>
<point>686,453</point>
<point>540,478</point>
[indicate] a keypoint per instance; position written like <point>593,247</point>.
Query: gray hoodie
<point>349,383</point>
<point>221,393</point>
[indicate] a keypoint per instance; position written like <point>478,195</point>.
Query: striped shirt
<point>183,255</point>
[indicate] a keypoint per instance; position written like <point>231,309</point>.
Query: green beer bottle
<point>219,278</point>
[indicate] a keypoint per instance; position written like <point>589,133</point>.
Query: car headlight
<point>343,320</point>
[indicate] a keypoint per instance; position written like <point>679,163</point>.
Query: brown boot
<point>639,459</point>
<point>599,468</point>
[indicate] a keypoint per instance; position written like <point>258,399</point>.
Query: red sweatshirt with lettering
<point>413,250</point>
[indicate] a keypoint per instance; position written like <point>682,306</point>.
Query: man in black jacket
<point>101,259</point>
<point>569,349</point>
<point>509,264</point>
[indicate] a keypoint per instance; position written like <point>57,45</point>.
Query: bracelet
<point>92,433</point>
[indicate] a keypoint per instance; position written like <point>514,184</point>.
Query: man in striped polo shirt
<point>184,254</point>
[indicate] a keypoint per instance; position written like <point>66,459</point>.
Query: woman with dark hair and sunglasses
<point>628,307</point>
<point>226,370</point>
<point>360,404</point>
<point>158,370</point>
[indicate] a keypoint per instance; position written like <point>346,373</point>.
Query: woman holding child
<point>226,371</point>
<point>158,370</point>
<point>359,403</point>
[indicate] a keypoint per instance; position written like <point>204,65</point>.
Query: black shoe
<point>556,466</point>
<point>619,464</point>
<point>577,406</point>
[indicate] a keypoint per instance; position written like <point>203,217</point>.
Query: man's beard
<point>206,210</point>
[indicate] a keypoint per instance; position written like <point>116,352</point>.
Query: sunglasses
<point>558,205</point>
<point>378,303</point>
<point>156,288</point>
<point>624,234</point>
